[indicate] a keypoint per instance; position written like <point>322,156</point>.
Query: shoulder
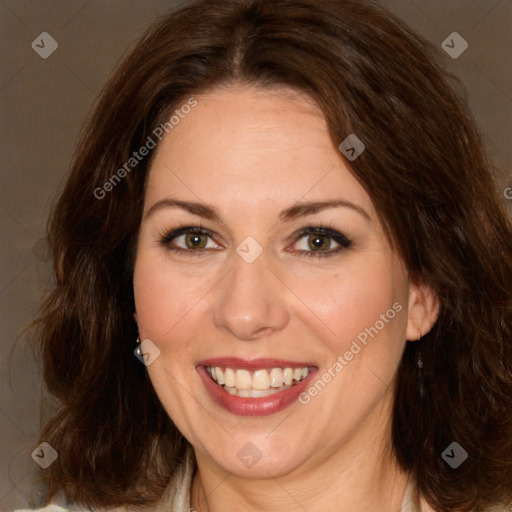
<point>496,508</point>
<point>502,508</point>
<point>58,508</point>
<point>48,508</point>
<point>176,495</point>
<point>413,502</point>
<point>68,507</point>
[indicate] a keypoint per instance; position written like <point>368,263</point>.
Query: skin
<point>252,153</point>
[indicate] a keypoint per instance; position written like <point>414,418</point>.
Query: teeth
<point>276,377</point>
<point>229,378</point>
<point>242,379</point>
<point>254,393</point>
<point>219,376</point>
<point>262,382</point>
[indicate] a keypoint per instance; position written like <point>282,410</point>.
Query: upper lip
<point>254,364</point>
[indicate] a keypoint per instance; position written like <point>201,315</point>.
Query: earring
<point>138,338</point>
<point>419,364</point>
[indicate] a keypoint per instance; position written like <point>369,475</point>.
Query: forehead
<point>250,145</point>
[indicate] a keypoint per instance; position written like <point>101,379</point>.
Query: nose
<point>251,302</point>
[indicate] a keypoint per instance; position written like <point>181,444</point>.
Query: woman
<point>290,209</point>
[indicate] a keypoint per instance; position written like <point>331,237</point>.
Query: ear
<point>135,316</point>
<point>423,310</point>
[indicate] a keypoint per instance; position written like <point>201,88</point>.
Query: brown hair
<point>427,173</point>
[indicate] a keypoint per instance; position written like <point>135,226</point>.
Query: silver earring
<point>419,364</point>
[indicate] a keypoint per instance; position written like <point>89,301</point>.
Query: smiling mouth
<point>258,383</point>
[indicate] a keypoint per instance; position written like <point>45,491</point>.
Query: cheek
<point>171,300</point>
<point>357,301</point>
<point>163,296</point>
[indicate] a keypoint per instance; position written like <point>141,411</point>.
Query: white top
<point>176,496</point>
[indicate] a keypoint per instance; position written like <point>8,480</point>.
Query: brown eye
<point>319,242</point>
<point>189,239</point>
<point>316,243</point>
<point>195,241</point>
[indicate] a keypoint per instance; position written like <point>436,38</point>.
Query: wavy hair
<point>427,173</point>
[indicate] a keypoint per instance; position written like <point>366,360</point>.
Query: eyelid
<point>179,230</point>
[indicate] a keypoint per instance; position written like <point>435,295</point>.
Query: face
<point>262,260</point>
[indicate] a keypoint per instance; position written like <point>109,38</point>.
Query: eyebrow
<point>298,210</point>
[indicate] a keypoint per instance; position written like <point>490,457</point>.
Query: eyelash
<point>322,230</point>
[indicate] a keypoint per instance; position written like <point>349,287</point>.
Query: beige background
<point>44,103</point>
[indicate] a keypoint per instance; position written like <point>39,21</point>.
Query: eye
<point>321,242</point>
<point>188,239</point>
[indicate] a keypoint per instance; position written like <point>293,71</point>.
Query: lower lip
<point>262,406</point>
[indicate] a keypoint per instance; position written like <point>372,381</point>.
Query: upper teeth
<point>259,380</point>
